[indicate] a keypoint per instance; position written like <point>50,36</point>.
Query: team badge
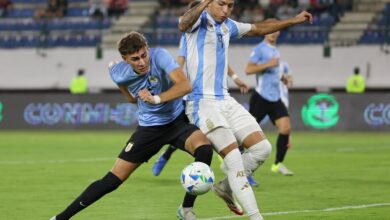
<point>224,29</point>
<point>129,146</point>
<point>209,124</point>
<point>153,79</point>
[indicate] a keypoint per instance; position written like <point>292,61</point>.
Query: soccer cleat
<point>159,165</point>
<point>252,181</point>
<point>53,218</point>
<point>185,213</point>
<point>280,168</point>
<point>229,200</point>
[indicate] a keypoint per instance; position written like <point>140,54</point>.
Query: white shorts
<point>209,114</point>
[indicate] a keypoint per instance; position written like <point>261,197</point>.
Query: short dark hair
<point>356,70</point>
<point>131,43</point>
<point>80,72</point>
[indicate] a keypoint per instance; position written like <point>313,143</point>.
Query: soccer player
<point>266,99</point>
<point>152,79</point>
<point>225,122</point>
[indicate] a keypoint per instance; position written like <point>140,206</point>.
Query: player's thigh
<point>123,169</point>
<point>207,114</point>
<point>143,144</point>
<point>280,117</point>
<point>258,106</point>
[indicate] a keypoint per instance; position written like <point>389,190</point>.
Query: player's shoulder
<point>120,72</point>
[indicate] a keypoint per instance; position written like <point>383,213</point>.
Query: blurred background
<point>45,44</point>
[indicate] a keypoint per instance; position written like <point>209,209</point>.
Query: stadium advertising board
<point>308,111</point>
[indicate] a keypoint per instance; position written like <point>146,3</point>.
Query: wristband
<point>234,76</point>
<point>157,99</point>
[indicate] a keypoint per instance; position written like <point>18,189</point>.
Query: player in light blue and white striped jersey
<point>208,30</point>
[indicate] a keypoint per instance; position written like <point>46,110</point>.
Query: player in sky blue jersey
<point>152,79</point>
<point>267,97</point>
<point>208,30</point>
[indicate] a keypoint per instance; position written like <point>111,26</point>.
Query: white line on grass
<point>81,160</point>
<point>303,211</point>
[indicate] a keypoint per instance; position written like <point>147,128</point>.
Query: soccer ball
<point>197,178</point>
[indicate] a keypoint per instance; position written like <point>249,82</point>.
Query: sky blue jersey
<point>267,81</point>
<point>156,81</point>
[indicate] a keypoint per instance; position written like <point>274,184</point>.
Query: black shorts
<point>147,141</point>
<point>259,107</point>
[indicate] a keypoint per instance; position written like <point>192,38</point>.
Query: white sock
<point>254,156</point>
<point>238,182</point>
<point>256,216</point>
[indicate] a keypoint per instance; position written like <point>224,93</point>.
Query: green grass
<point>42,172</point>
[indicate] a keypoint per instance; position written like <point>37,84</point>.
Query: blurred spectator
<point>98,9</point>
<point>79,84</point>
<point>54,9</point>
<point>286,11</point>
<point>117,8</point>
<point>356,83</point>
<point>5,6</point>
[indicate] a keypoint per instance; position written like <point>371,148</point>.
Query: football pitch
<point>343,176</point>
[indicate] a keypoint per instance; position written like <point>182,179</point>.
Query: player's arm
<point>181,60</point>
<point>254,68</point>
<point>270,26</point>
<point>192,15</point>
<point>181,87</point>
<point>127,94</point>
<point>242,85</point>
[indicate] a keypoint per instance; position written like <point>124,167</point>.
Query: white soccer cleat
<point>228,198</point>
<point>185,213</point>
<point>53,218</point>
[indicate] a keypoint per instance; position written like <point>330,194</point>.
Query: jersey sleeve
<point>165,61</point>
<point>237,29</point>
<point>255,56</point>
<point>120,72</point>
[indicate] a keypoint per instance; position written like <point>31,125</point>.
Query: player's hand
<point>287,80</point>
<point>273,62</point>
<point>146,96</point>
<point>302,17</point>
<point>244,88</point>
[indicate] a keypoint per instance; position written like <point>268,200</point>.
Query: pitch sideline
<point>333,209</point>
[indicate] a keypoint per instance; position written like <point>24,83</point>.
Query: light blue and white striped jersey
<point>284,69</point>
<point>207,46</point>
<point>267,81</point>
<point>156,81</point>
<point>183,46</point>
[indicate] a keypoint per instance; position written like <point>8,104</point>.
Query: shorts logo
<point>129,146</point>
<point>209,124</point>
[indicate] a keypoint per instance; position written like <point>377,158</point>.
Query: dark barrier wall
<point>309,111</point>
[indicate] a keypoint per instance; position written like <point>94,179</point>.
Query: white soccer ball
<point>197,178</point>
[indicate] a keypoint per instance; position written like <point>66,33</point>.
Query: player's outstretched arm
<point>244,88</point>
<point>192,15</point>
<point>270,26</point>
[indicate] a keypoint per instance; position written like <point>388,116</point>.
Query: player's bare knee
<point>123,169</point>
<point>195,140</point>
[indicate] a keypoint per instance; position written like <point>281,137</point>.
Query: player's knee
<point>111,181</point>
<point>222,138</point>
<point>285,129</point>
<point>204,154</point>
<point>260,150</point>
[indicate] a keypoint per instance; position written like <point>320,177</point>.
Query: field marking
<point>29,162</point>
<point>303,211</point>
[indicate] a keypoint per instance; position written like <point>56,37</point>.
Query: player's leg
<point>111,181</point>
<point>132,155</point>
<point>250,178</point>
<point>162,160</point>
<point>279,116</point>
<point>283,125</point>
<point>192,140</point>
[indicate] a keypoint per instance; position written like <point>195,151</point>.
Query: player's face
<point>220,10</point>
<point>272,38</point>
<point>139,60</point>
